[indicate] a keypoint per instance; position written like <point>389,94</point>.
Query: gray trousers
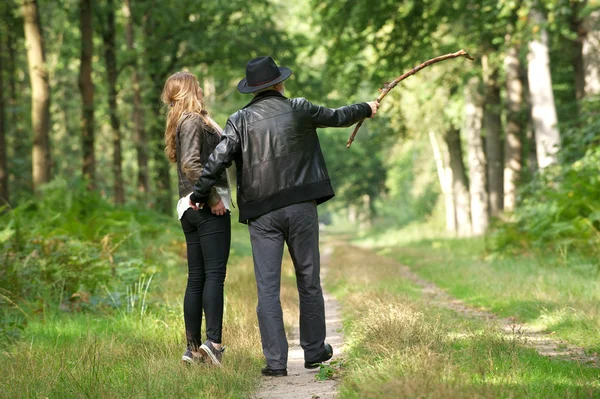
<point>297,225</point>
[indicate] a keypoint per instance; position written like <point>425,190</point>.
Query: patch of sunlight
<point>556,317</point>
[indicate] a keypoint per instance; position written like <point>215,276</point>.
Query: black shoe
<point>267,372</point>
<point>325,356</point>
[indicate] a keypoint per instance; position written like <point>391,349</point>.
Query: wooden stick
<point>389,86</point>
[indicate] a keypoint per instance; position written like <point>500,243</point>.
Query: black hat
<point>262,72</point>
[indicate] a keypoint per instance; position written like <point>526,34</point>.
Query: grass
<point>560,296</point>
<point>101,344</point>
<point>401,346</point>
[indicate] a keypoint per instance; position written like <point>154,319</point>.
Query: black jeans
<point>208,238</point>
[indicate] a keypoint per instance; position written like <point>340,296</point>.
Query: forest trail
<point>300,382</point>
<point>541,341</point>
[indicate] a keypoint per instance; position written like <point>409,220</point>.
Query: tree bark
<point>86,87</point>
<point>164,202</point>
<point>445,177</point>
<point>545,121</point>
<point>460,183</point>
<point>576,24</point>
<point>476,158</point>
<point>591,54</point>
<point>112,75</point>
<point>4,191</point>
<point>20,163</point>
<point>514,127</point>
<point>40,94</point>
<point>492,125</point>
<point>143,180</point>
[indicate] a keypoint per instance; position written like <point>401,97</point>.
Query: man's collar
<point>263,94</point>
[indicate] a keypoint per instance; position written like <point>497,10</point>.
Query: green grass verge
<point>560,296</point>
<point>124,352</point>
<point>401,346</point>
<point>80,317</point>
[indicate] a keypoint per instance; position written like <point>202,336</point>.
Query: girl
<point>190,136</point>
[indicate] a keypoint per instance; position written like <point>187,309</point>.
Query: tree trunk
<point>445,177</point>
<point>86,87</point>
<point>514,127</point>
<point>460,183</point>
<point>20,162</point>
<point>4,198</point>
<point>591,54</point>
<point>494,146</point>
<point>112,75</point>
<point>40,94</point>
<point>545,121</point>
<point>476,158</point>
<point>164,202</point>
<point>143,180</point>
<point>577,60</point>
<point>158,74</point>
<point>576,24</point>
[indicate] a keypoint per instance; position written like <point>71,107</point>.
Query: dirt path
<point>541,341</point>
<point>300,382</point>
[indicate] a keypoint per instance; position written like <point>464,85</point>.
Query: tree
<point>476,157</point>
<point>112,74</point>
<point>445,177</point>
<point>543,108</point>
<point>20,162</point>
<point>143,180</point>
<point>3,153</point>
<point>460,183</point>
<point>514,126</point>
<point>86,88</point>
<point>591,54</point>
<point>492,125</point>
<point>40,94</point>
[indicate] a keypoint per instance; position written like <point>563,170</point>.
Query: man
<point>282,178</point>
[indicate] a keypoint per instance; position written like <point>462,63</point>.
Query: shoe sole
<point>209,354</point>
<point>315,365</point>
<point>274,375</point>
<point>187,360</point>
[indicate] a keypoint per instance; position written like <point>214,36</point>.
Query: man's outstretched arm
<point>221,158</point>
<point>343,116</point>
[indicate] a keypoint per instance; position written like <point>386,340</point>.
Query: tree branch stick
<point>389,86</point>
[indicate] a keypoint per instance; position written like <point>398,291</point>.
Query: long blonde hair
<point>182,93</point>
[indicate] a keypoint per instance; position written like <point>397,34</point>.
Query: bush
<point>64,248</point>
<point>560,210</point>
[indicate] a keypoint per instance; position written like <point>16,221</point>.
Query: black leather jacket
<point>273,141</point>
<point>195,140</point>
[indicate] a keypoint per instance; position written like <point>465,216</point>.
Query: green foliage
<point>402,342</point>
<point>62,249</point>
<point>560,210</point>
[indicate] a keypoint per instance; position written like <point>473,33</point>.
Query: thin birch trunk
<point>545,121</point>
<point>476,158</point>
<point>40,94</point>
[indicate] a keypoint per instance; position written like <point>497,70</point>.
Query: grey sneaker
<point>211,353</point>
<point>190,358</point>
